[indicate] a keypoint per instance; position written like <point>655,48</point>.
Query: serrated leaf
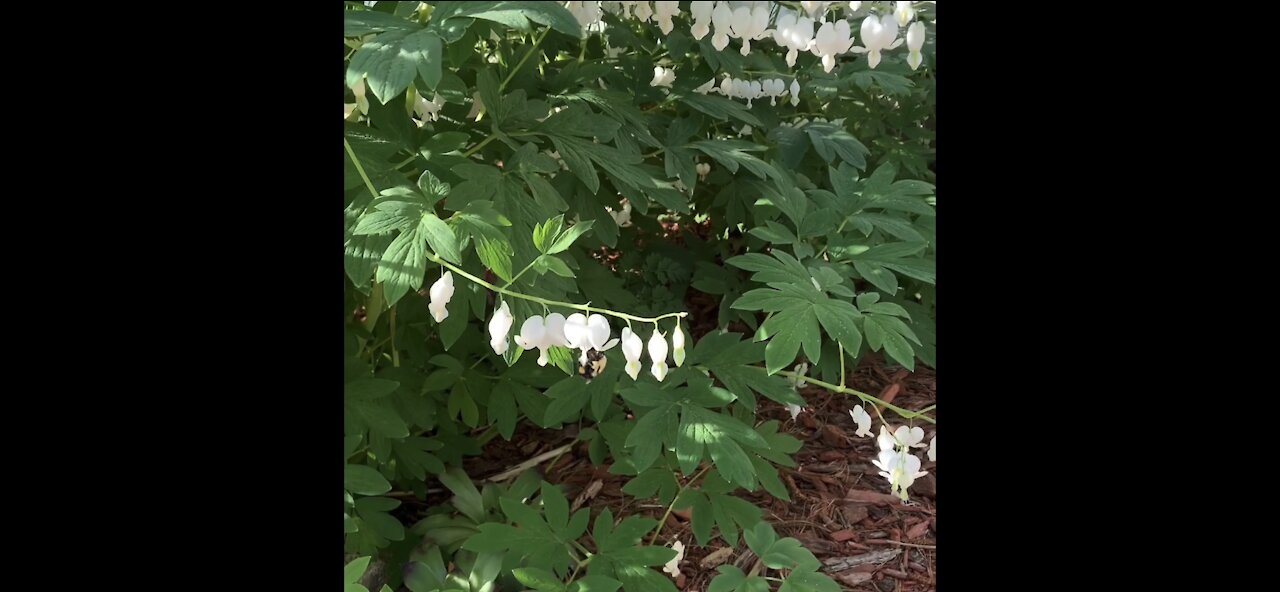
<point>539,579</point>
<point>391,60</point>
<point>566,238</point>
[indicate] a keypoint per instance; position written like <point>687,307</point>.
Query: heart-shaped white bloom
<point>673,567</point>
<point>663,76</point>
<point>722,18</point>
<point>499,326</point>
<point>832,40</point>
<point>863,420</point>
<point>933,442</point>
<point>915,41</point>
<point>542,333</point>
<point>814,8</point>
<point>658,354</point>
<point>632,347</point>
<point>427,110</point>
<point>677,346</point>
<point>795,92</point>
<point>663,11</point>
<point>904,12</point>
<point>701,12</point>
<point>441,292</point>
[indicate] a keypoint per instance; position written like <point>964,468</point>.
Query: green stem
<point>477,147</point>
<point>672,506</point>
<point>520,64</point>
<point>865,397</point>
<point>548,302</point>
<point>359,168</point>
<point>841,366</point>
<point>395,353</point>
<point>517,276</point>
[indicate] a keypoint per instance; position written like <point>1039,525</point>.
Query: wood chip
<point>863,496</point>
<point>716,558</point>
<point>853,578</point>
<point>841,536</point>
<point>918,531</point>
<point>835,564</point>
<point>590,492</point>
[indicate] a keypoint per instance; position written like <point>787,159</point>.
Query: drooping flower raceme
<point>915,41</point>
<point>441,292</point>
<point>863,420</point>
<point>499,326</point>
<point>832,40</point>
<point>896,463</point>
<point>632,347</point>
<point>658,354</point>
<point>663,76</point>
<point>542,333</point>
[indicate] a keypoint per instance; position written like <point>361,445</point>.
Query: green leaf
<point>830,140</point>
<point>514,14</point>
<point>808,581</point>
<point>719,108</point>
<point>568,397</point>
<point>393,59</point>
<point>545,263</point>
<point>356,23</point>
<point>593,583</point>
<point>440,237</point>
<point>369,389</point>
<point>466,498</point>
<point>354,570</point>
<point>732,153</point>
<point>879,334</point>
<point>380,417</point>
<point>364,480</point>
<point>732,579</point>
<point>566,238</point>
<point>403,265</point>
<point>539,579</point>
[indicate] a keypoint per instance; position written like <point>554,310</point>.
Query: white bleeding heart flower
<point>362,100</point>
<point>658,354</point>
<point>795,92</point>
<point>622,217</point>
<point>673,567</point>
<point>441,292</point>
<point>722,18</point>
<point>575,331</point>
<point>933,442</point>
<point>854,6</point>
<point>703,169</point>
<point>878,34</point>
<point>814,8</point>
<point>915,41</point>
<point>904,12</point>
<point>542,333</point>
<point>831,40</point>
<point>587,13</point>
<point>701,12</point>
<point>901,469</point>
<point>794,32</point>
<point>726,87</point>
<point>663,12</point>
<point>663,76</point>
<point>427,110</point>
<point>794,410</point>
<point>750,24</point>
<point>632,348</point>
<point>863,420</point>
<point>499,326</point>
<point>677,346</point>
<point>909,437</point>
<point>643,11</point>
<point>707,87</point>
<point>347,110</point>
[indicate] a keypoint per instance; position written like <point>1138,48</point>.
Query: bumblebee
<point>591,364</point>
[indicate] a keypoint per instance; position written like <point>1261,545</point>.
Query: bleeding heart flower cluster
<point>752,90</point>
<point>895,461</point>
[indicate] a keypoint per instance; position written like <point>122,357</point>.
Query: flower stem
<point>865,397</point>
<point>477,147</point>
<point>548,302</point>
<point>359,168</point>
<point>512,73</point>
<point>672,506</point>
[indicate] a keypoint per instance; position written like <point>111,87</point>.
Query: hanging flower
<point>427,110</point>
<point>632,347</point>
<point>705,88</point>
<point>658,354</point>
<point>793,32</point>
<point>878,34</point>
<point>701,12</point>
<point>703,169</point>
<point>441,292</point>
<point>904,12</point>
<point>832,40</point>
<point>663,76</point>
<point>814,8</point>
<point>722,18</point>
<point>362,101</point>
<point>677,345</point>
<point>584,333</point>
<point>932,448</point>
<point>750,24</point>
<point>863,420</point>
<point>663,12</point>
<point>915,41</point>
<point>795,92</point>
<point>542,333</point>
<point>901,469</point>
<point>643,11</point>
<point>672,567</point>
<point>499,326</point>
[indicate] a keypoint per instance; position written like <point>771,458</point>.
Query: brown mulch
<point>840,508</point>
